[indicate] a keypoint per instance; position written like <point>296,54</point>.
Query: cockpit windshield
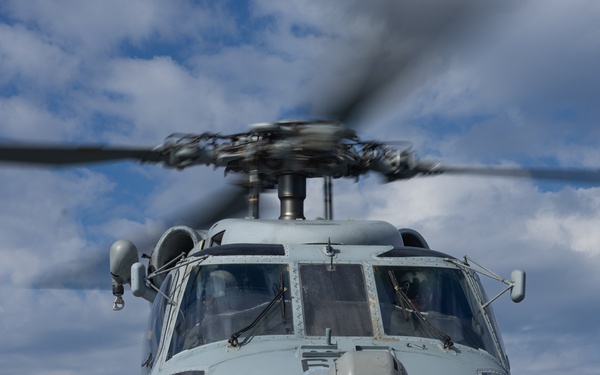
<point>335,297</point>
<point>237,302</point>
<point>440,296</point>
<point>223,299</point>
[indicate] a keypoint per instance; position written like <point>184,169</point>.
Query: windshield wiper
<point>406,303</point>
<point>233,340</point>
<point>282,299</point>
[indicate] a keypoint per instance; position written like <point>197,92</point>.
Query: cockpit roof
<point>346,232</point>
<point>248,249</point>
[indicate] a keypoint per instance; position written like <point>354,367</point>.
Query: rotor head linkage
<point>254,194</point>
<point>291,190</point>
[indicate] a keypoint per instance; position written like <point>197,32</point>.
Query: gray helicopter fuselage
<point>338,312</point>
<point>348,232</point>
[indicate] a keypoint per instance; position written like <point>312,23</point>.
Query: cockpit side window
<point>223,299</point>
<point>155,324</point>
<point>335,298</point>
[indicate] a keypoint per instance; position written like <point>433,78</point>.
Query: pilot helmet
<point>219,282</point>
<point>418,286</point>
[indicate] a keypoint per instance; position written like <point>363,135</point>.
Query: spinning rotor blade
<point>88,273</point>
<point>566,175</point>
<point>409,30</point>
<point>61,155</point>
<point>229,202</point>
<point>92,272</point>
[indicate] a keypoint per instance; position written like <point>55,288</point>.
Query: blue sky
<point>515,83</point>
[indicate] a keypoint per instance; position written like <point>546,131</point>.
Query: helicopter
<point>431,239</point>
<point>301,296</point>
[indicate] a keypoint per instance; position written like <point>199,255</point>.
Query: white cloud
<point>49,332</point>
<point>89,28</point>
<point>27,120</point>
<point>40,218</point>
<point>30,61</point>
<point>574,353</point>
<point>569,220</point>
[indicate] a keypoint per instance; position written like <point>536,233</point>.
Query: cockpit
<point>224,300</point>
<point>427,302</point>
<point>221,300</point>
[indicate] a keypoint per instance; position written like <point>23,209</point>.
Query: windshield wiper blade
<point>282,299</point>
<point>406,302</point>
<point>233,340</point>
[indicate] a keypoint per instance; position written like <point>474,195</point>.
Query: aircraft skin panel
<point>270,355</point>
<point>347,232</point>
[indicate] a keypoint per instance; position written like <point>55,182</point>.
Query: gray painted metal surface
<point>328,243</point>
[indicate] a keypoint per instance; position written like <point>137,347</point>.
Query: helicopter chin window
<point>220,300</point>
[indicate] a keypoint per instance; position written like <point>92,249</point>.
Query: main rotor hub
<point>308,148</point>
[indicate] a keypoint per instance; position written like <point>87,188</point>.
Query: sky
<point>511,83</point>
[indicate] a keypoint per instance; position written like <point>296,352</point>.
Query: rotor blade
<point>62,155</point>
<point>409,30</point>
<point>93,271</point>
<point>230,201</point>
<point>550,174</point>
<point>89,273</point>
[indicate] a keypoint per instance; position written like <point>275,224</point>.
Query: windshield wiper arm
<point>406,302</point>
<point>282,299</point>
<point>233,340</point>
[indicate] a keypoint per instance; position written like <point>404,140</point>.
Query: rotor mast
<point>291,190</point>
